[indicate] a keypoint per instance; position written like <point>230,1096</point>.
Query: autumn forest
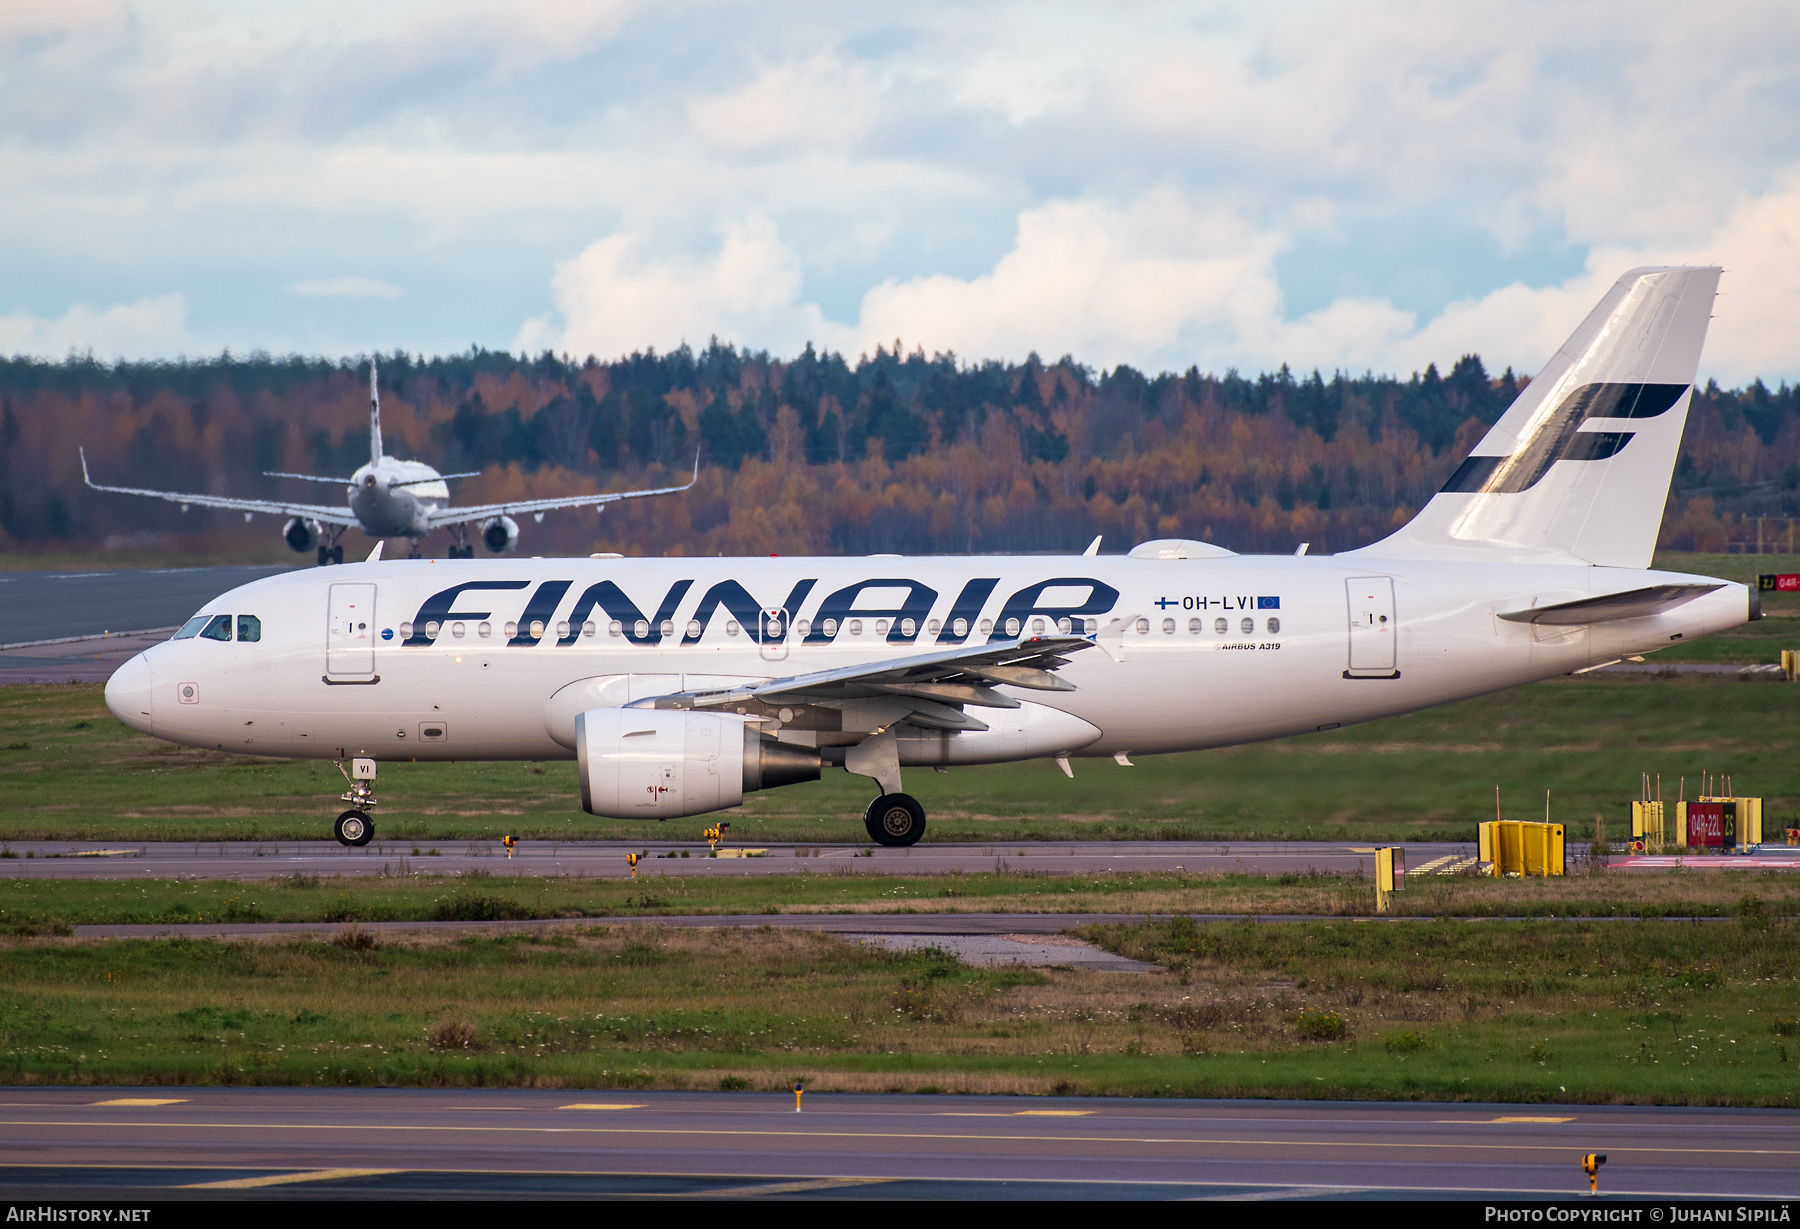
<point>895,452</point>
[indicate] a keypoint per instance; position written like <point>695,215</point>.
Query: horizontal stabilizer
<point>1634,604</point>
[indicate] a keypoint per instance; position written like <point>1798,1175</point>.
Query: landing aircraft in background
<point>680,685</point>
<point>390,498</point>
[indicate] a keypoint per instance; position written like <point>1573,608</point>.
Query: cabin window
<point>694,629</point>
<point>432,629</point>
<point>588,629</point>
<point>457,629</point>
<point>1143,627</point>
<point>192,627</point>
<point>908,628</point>
<point>802,628</point>
<point>1220,626</point>
<point>512,630</point>
<point>615,628</point>
<point>731,628</point>
<point>1012,627</point>
<point>1193,627</point>
<point>960,628</point>
<point>217,628</point>
<point>856,627</point>
<point>831,626</point>
<point>562,630</point>
<point>1093,626</point>
<point>987,627</point>
<point>668,628</point>
<point>1274,627</point>
<point>1064,626</point>
<point>1248,626</point>
<point>881,627</point>
<point>934,627</point>
<point>537,629</point>
<point>1168,627</point>
<point>249,628</point>
<point>485,630</point>
<point>1037,627</point>
<point>641,629</point>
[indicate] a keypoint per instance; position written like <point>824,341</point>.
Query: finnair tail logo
<point>1559,438</point>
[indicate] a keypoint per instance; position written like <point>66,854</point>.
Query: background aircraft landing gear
<point>895,819</point>
<point>354,828</point>
<point>330,549</point>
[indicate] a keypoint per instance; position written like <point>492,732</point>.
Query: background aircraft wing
<point>933,685</point>
<point>331,516</point>
<point>480,512</point>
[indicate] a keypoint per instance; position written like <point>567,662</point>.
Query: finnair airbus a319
<point>680,685</point>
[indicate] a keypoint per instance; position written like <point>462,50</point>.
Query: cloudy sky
<point>1368,185</point>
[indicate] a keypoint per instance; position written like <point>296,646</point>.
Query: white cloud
<point>1161,284</point>
<point>148,328</point>
<point>615,298</point>
<point>347,288</point>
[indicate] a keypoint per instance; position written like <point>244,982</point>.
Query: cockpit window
<point>192,627</point>
<point>218,629</point>
<point>249,627</point>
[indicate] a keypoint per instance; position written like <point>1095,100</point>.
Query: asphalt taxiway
<point>198,1143</point>
<point>607,859</point>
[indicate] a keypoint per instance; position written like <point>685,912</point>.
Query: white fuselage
<point>394,499</point>
<point>374,660</point>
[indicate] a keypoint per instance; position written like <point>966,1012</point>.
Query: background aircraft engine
<point>500,534</point>
<point>301,535</point>
<point>648,763</point>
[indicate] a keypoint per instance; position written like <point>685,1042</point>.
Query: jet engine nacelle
<point>500,534</point>
<point>301,535</point>
<point>647,763</point>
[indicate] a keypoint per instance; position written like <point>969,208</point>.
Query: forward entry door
<point>350,634</point>
<point>1372,627</point>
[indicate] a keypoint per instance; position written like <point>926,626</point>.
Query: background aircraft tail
<point>1578,469</point>
<point>374,417</point>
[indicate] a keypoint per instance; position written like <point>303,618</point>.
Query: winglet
<point>1094,546</point>
<point>375,555</point>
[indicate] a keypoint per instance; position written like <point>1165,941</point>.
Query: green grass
<point>1530,1012</point>
<point>70,771</point>
<point>410,894</point>
<point>1759,642</point>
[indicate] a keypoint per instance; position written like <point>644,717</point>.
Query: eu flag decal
<point>1268,603</point>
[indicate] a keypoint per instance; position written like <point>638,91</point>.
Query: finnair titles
<point>680,685</point>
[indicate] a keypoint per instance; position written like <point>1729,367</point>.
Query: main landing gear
<point>460,546</point>
<point>895,819</point>
<point>354,827</point>
<point>330,549</point>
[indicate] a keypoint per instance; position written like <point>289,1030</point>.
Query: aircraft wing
<point>339,515</point>
<point>480,512</point>
<point>933,685</point>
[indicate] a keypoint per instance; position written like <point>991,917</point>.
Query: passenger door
<point>350,633</point>
<point>1372,627</point>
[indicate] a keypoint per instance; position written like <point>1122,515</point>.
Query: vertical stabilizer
<point>374,417</point>
<point>1578,469</point>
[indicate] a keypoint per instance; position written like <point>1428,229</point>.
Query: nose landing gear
<point>354,827</point>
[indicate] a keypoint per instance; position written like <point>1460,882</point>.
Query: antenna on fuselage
<point>374,417</point>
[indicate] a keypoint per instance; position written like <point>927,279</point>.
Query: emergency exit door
<point>350,632</point>
<point>1372,627</point>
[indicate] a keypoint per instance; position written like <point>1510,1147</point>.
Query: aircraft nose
<point>128,694</point>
